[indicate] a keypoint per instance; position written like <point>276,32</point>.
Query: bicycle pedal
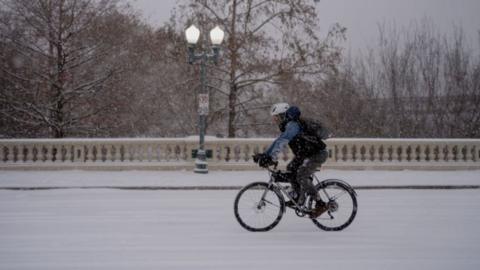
<point>290,204</point>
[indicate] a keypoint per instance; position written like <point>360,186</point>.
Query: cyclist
<point>309,154</point>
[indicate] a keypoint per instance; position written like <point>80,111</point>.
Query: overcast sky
<point>361,17</point>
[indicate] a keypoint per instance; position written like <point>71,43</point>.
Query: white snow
<point>76,178</point>
<point>133,229</point>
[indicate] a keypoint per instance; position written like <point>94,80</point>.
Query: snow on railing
<point>176,153</point>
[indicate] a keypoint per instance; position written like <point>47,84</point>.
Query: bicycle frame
<point>283,189</point>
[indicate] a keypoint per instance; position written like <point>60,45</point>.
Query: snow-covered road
<point>196,229</point>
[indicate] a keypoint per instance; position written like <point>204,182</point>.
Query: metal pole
<point>201,160</point>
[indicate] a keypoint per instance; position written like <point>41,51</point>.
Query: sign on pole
<point>203,104</point>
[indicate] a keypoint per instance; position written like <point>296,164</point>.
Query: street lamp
<point>192,35</point>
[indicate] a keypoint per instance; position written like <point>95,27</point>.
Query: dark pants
<point>303,168</point>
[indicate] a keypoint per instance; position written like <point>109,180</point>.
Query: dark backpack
<point>314,131</point>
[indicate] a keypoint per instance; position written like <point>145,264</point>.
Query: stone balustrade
<point>176,153</point>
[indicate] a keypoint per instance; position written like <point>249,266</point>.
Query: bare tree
<point>265,40</point>
<point>423,84</point>
<point>63,54</point>
<point>462,92</point>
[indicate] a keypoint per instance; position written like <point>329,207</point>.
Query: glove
<point>257,157</point>
<point>265,161</point>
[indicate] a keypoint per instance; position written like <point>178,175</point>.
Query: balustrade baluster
<point>144,152</point>
<point>133,151</point>
<point>440,154</point>
<point>30,156</point>
<point>353,154</point>
<point>246,152</point>
<point>450,154</point>
<point>147,152</point>
<point>178,152</point>
<point>28,153</point>
<point>364,152</point>
<point>188,151</point>
<point>20,153</point>
<point>115,150</point>
<point>161,152</point>
<point>173,152</point>
<point>129,152</point>
<point>395,154</point>
<point>10,155</point>
<point>414,153</point>
<point>433,153</point>
<point>106,152</point>
<point>348,153</point>
<point>381,153</point>
<point>468,153</point>
<point>422,156</point>
<point>43,154</point>
<point>68,153</point>
<point>126,152</point>
<point>341,153</point>
<point>151,155</point>
<point>376,153</point>
<point>167,152</point>
<point>388,153</point>
<point>229,153</point>
<point>216,152</point>
<point>184,154</point>
<point>335,155</point>
<point>7,153</point>
<point>89,157</point>
<point>54,152</point>
<point>403,153</point>
<point>79,153</point>
<point>98,153</point>
<point>235,152</point>
<point>145,148</point>
<point>430,152</point>
<point>369,153</point>
<point>154,152</point>
<point>443,153</point>
<point>60,153</point>
<point>140,152</point>
<point>2,153</point>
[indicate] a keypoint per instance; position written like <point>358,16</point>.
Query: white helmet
<point>279,108</point>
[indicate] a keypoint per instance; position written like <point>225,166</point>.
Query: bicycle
<point>259,206</point>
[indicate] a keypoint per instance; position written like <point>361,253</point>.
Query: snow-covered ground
<point>196,229</point>
<point>224,178</point>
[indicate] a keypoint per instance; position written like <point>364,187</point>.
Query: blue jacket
<point>292,129</point>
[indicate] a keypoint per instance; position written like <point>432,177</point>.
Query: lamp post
<point>192,35</point>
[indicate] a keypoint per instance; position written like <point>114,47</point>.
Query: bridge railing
<point>177,153</point>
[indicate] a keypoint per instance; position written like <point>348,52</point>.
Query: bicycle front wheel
<point>258,208</point>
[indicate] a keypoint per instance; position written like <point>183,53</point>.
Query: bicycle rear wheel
<point>342,206</point>
<point>256,214</point>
